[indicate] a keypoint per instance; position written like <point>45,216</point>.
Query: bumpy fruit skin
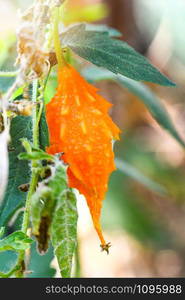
<point>81,128</point>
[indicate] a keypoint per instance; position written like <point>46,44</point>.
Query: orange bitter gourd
<point>80,127</point>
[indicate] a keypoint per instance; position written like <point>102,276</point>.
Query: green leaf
<point>63,232</point>
<point>39,207</point>
<point>114,55</point>
<point>40,266</point>
<point>19,171</point>
<point>43,131</point>
<point>15,242</point>
<point>53,212</point>
<point>153,104</point>
<point>135,174</point>
<point>18,93</point>
<point>45,197</point>
<point>58,181</point>
<point>51,87</point>
<point>43,204</point>
<point>103,28</point>
<point>41,212</point>
<point>8,260</point>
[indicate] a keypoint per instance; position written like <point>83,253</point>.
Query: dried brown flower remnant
<point>33,55</point>
<point>22,108</point>
<point>32,58</point>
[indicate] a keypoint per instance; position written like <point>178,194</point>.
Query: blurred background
<point>145,227</point>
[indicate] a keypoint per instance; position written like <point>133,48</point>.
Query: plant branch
<point>35,173</point>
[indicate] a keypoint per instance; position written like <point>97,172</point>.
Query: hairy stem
<point>34,116</point>
<point>35,175</point>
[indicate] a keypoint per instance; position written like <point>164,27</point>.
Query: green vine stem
<point>35,113</point>
<point>34,169</point>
